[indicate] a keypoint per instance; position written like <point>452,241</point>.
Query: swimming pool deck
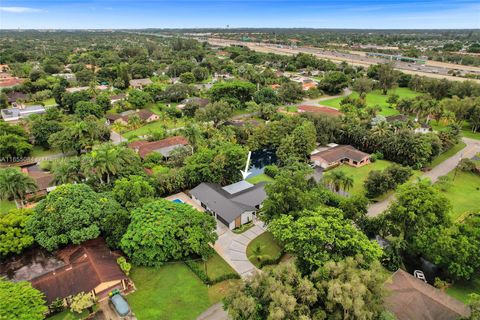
<point>185,199</point>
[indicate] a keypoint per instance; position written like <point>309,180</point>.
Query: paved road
<point>233,248</point>
<point>116,138</point>
<point>215,312</point>
<point>346,92</point>
<point>472,147</point>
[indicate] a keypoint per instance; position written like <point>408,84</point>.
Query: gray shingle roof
<point>226,205</point>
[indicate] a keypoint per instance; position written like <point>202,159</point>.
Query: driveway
<point>471,149</point>
<point>215,312</point>
<point>346,92</point>
<point>233,248</point>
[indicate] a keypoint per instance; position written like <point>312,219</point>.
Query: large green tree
<point>20,301</point>
<point>13,236</point>
<point>321,235</point>
<point>239,90</point>
<point>163,230</point>
<point>132,191</point>
<point>69,214</point>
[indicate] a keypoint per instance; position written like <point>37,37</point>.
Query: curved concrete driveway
<point>233,248</point>
<point>471,149</point>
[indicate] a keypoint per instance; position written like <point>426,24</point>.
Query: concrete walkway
<point>471,149</point>
<point>215,312</point>
<point>233,248</point>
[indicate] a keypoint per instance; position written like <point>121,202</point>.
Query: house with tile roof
<point>88,267</point>
<point>339,154</point>
<point>164,147</point>
<point>411,298</point>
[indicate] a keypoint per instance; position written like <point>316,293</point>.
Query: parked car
<point>120,304</point>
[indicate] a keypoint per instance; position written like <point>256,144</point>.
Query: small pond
<point>260,159</point>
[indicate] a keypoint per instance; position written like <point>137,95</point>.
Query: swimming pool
<point>177,201</point>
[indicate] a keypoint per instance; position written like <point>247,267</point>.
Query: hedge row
<point>198,270</point>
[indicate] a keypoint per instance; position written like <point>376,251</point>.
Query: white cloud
<point>20,9</point>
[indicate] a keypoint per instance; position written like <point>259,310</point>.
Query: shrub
<point>124,265</point>
<point>271,170</point>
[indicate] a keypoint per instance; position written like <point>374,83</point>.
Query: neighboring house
<point>117,97</point>
<point>43,180</point>
<point>395,118</point>
<point>164,147</point>
<point>140,83</point>
<point>337,155</point>
<point>14,96</point>
<point>16,114</point>
<point>78,89</point>
<point>201,102</point>
<point>233,205</point>
<point>318,109</point>
<point>70,77</point>
<point>6,80</point>
<point>308,86</point>
<point>411,298</point>
<point>423,128</point>
<point>89,267</point>
<point>218,76</point>
<point>144,115</point>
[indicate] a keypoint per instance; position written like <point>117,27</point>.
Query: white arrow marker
<point>246,173</point>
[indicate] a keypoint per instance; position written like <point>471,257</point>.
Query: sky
<point>135,14</point>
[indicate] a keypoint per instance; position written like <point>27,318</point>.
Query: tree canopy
<point>19,300</point>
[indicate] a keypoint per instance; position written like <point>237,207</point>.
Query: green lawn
<point>38,151</point>
<point>216,267</point>
<point>269,249</point>
<point>260,178</point>
<point>375,98</point>
<point>460,290</point>
<point>359,175</point>
<point>47,102</point>
<point>168,292</point>
<point>463,193</point>
<point>466,131</point>
<point>447,154</point>
<point>154,126</point>
<point>6,206</point>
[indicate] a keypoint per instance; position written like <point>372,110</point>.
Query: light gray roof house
<point>230,201</point>
<point>15,114</point>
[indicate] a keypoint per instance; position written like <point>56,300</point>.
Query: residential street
<point>472,148</point>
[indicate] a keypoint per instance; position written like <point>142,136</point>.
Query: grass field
<point>461,289</point>
<point>463,193</point>
<point>466,131</point>
<point>375,98</point>
<point>6,206</point>
<point>154,126</point>
<point>171,292</point>
<point>260,178</point>
<point>38,151</point>
<point>269,248</point>
<point>447,154</point>
<point>359,175</point>
<point>216,267</point>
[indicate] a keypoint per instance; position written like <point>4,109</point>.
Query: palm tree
<point>67,171</point>
<point>15,184</point>
<point>381,129</point>
<point>338,180</point>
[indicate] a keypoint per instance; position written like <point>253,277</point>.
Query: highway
<point>431,69</point>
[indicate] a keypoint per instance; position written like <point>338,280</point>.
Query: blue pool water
<point>177,201</point>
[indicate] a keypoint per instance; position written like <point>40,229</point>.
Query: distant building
<point>70,77</point>
<point>338,155</point>
<point>410,298</point>
<point>233,205</point>
<point>16,114</point>
<point>15,96</point>
<point>117,97</point>
<point>144,115</point>
<point>164,147</point>
<point>423,128</point>
<point>43,179</point>
<point>140,83</point>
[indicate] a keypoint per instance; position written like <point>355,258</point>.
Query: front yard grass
<point>39,151</point>
<point>461,289</point>
<point>264,247</point>
<point>375,98</point>
<point>463,193</point>
<point>216,267</point>
<point>359,175</point>
<point>260,178</point>
<point>169,292</point>
<point>151,127</point>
